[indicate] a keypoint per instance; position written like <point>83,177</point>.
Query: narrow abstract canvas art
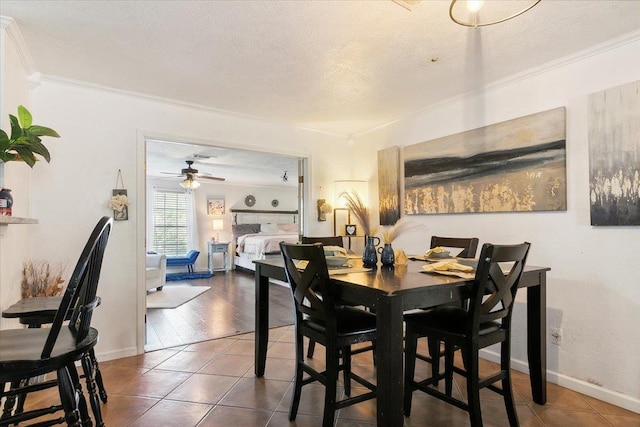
<point>389,185</point>
<point>614,155</point>
<point>513,166</point>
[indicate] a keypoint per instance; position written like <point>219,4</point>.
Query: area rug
<point>172,277</point>
<point>172,296</point>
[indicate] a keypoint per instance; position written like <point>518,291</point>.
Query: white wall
<point>14,244</point>
<point>103,131</point>
<point>594,282</point>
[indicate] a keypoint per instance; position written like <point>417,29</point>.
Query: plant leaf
<point>39,148</point>
<point>4,141</point>
<point>25,155</point>
<point>25,116</point>
<point>29,138</point>
<point>43,131</point>
<point>16,130</point>
<point>7,157</point>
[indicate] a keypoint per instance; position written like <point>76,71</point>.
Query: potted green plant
<point>25,142</point>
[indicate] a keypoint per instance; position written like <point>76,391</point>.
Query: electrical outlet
<point>556,336</point>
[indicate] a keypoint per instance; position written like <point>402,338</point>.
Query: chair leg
<point>410,349</point>
<point>10,402</point>
<point>85,419</point>
<point>311,349</point>
<point>101,390</point>
<point>473,388</point>
<point>507,390</point>
<point>68,396</point>
<point>332,361</point>
<point>297,387</point>
<point>434,353</point>
<point>448,368</point>
<point>346,363</point>
<point>90,372</point>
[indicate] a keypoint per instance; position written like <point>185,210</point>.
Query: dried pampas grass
<point>400,227</point>
<point>39,279</point>
<point>360,211</point>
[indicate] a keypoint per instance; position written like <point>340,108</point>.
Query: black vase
<point>387,257</point>
<point>6,201</point>
<point>370,254</point>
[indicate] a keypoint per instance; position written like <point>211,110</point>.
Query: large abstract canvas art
<point>513,166</point>
<point>614,155</point>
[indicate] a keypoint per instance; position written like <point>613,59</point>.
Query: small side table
<point>218,248</point>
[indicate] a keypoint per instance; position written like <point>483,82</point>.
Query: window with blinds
<point>171,222</point>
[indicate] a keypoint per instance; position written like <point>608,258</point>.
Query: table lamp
<point>218,224</point>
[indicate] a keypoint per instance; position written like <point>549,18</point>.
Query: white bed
<point>257,234</point>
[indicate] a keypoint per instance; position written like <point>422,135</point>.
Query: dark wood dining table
<point>391,292</point>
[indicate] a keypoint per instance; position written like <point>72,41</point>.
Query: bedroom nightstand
<point>218,248</point>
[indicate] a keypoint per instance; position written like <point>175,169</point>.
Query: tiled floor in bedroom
<point>212,384</point>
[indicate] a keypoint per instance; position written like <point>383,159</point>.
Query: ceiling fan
<point>192,176</point>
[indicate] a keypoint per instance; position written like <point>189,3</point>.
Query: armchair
<point>156,271</point>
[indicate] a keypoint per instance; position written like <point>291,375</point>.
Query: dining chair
<point>486,321</point>
<point>320,317</point>
<point>326,241</point>
<point>30,353</point>
<point>469,246</point>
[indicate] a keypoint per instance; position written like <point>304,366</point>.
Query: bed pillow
<point>269,228</point>
<point>288,228</point>
<point>242,229</point>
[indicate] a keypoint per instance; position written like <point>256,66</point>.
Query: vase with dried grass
<point>355,203</point>
<point>388,236</point>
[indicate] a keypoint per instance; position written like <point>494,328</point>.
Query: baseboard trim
<point>117,354</point>
<point>613,397</point>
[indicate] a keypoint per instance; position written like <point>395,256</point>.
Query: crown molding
<point>13,32</point>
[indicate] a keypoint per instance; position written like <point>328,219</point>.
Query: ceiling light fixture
<point>190,183</point>
<point>480,13</point>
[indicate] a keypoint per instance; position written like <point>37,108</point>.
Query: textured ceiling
<point>335,66</point>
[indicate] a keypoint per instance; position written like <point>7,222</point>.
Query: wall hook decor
<point>119,201</point>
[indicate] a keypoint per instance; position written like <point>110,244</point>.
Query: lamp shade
<point>218,224</point>
<point>350,185</point>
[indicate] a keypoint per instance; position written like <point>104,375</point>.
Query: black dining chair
<point>319,317</point>
<point>486,321</point>
<point>326,241</point>
<point>469,246</point>
<point>29,353</point>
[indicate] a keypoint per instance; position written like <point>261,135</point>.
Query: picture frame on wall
<point>215,206</point>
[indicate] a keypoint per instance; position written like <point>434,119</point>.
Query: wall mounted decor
<point>512,166</point>
<point>389,185</point>
<point>215,206</point>
<point>119,202</point>
<point>614,155</point>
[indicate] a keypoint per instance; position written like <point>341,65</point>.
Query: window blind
<point>170,222</point>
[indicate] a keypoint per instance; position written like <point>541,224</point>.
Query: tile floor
<point>211,384</point>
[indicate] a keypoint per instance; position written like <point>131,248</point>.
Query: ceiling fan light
<point>189,184</point>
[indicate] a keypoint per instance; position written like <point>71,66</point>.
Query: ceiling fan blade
<point>211,178</point>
